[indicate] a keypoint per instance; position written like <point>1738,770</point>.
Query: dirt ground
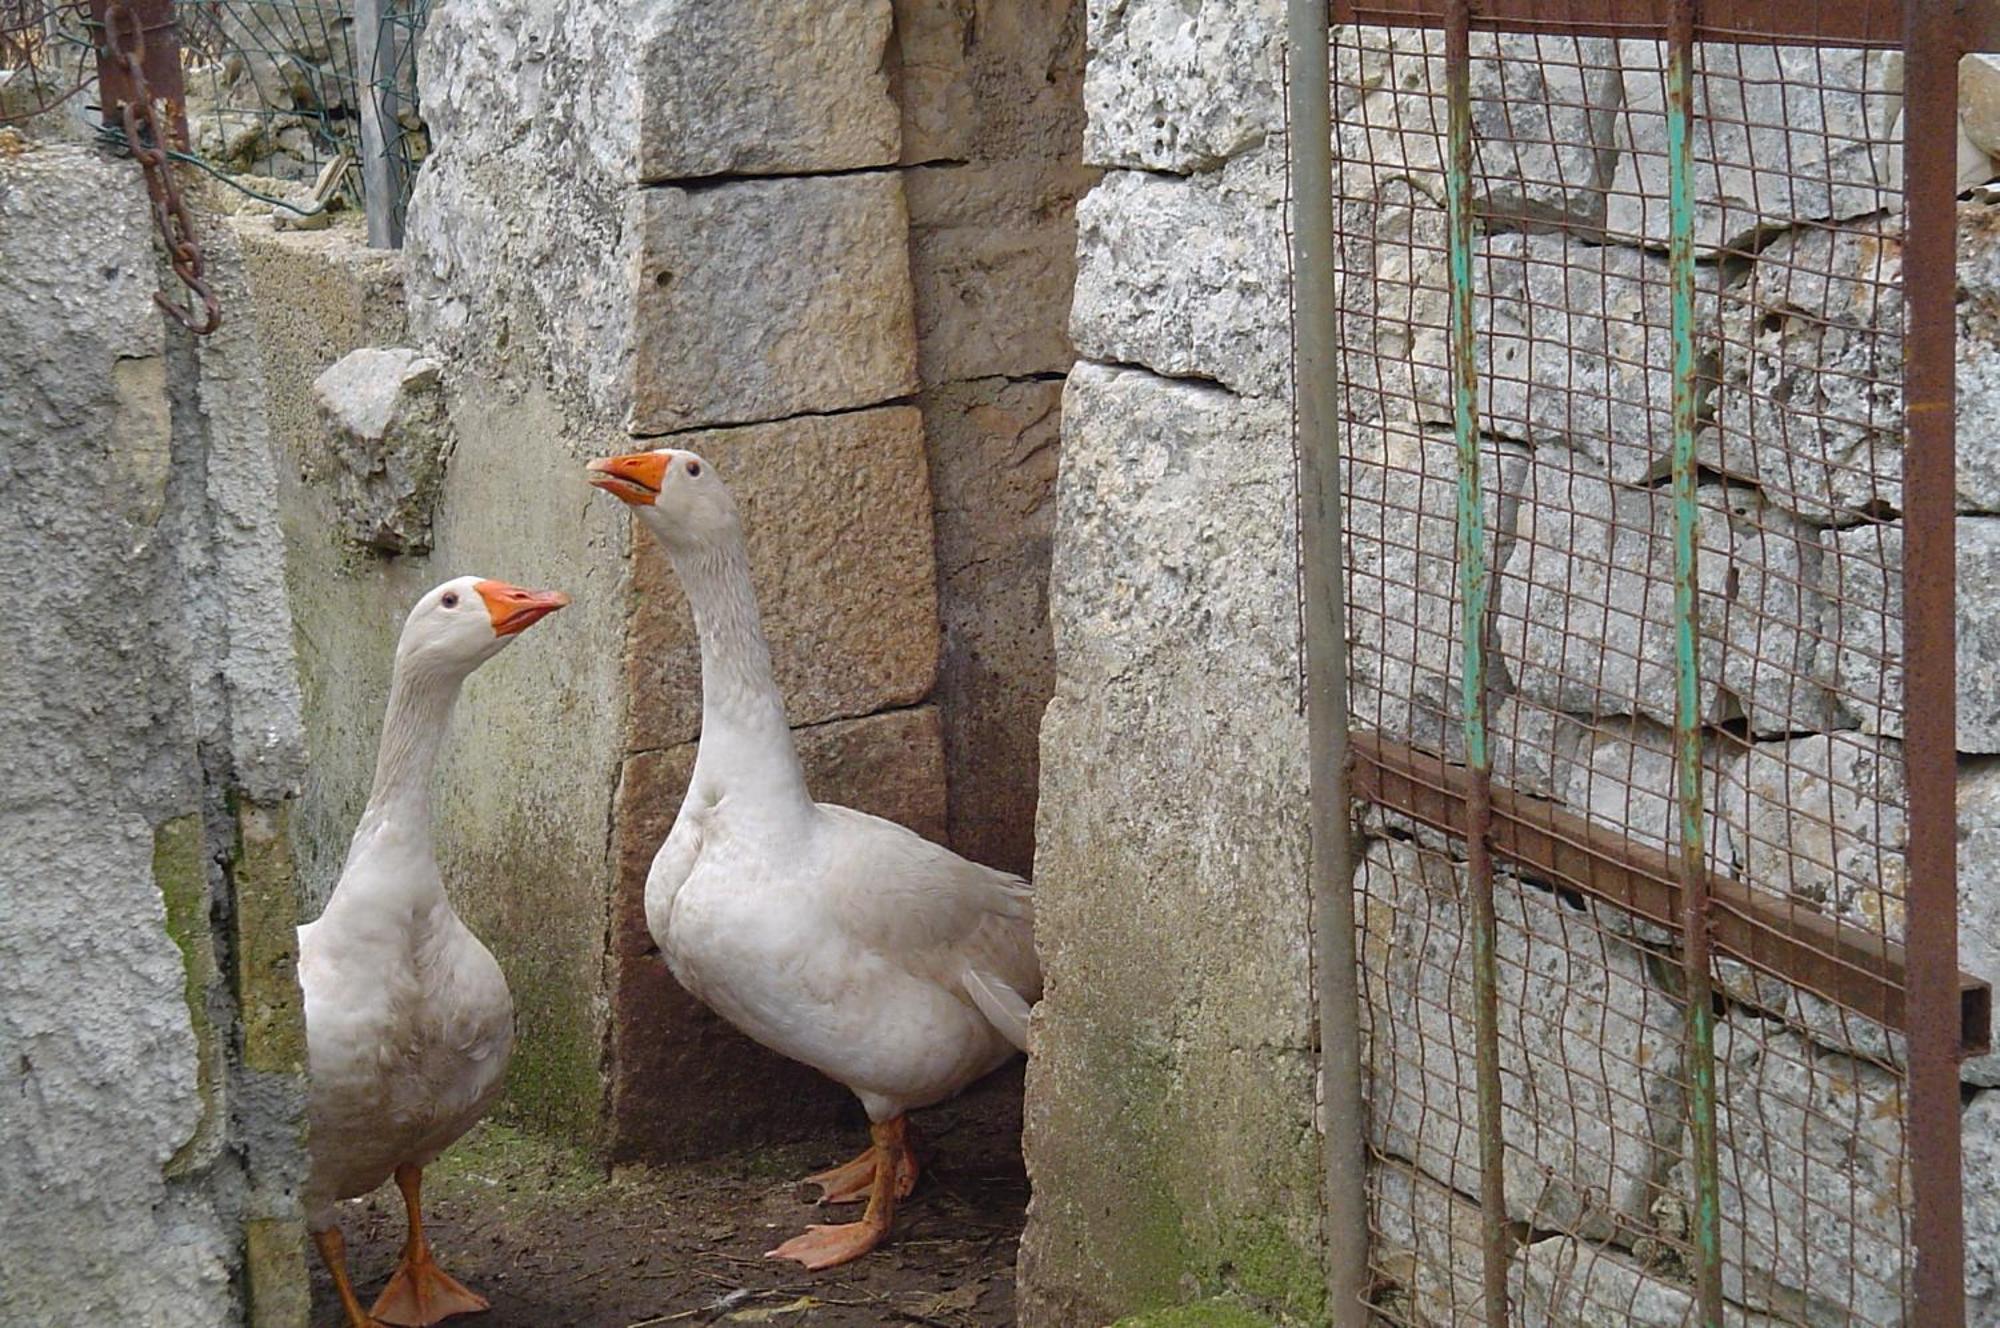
<point>552,1242</point>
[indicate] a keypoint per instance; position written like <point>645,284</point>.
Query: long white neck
<point>746,747</point>
<point>391,862</point>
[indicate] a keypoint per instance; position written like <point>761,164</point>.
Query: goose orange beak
<point>634,478</point>
<point>514,609</point>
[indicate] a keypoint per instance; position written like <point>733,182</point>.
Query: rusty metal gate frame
<point>1915,988</point>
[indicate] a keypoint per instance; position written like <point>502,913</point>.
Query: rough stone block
<point>993,451</point>
<point>1579,1145</point>
<point>1586,589</point>
<point>756,89</point>
<point>1862,659</point>
<point>1784,134</point>
<point>1542,112</point>
<point>1566,1283</point>
<point>1574,347</point>
<point>683,1080</point>
<point>1429,1241</point>
<point>385,413</point>
<point>766,298</point>
<point>837,512</point>
<point>1188,277</point>
<point>1979,100</point>
<point>993,258</point>
<point>1979,1132</point>
<point>1620,774</point>
<point>990,82</point>
<point>1182,85</point>
<point>1812,408</point>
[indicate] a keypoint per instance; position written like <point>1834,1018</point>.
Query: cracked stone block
<point>1542,112</point>
<point>749,89</point>
<point>384,411</point>
<point>760,299</point>
<point>1586,603</point>
<point>1574,346</point>
<point>1579,1152</point>
<point>1565,1283</point>
<point>1403,614</point>
<point>1620,774</point>
<point>1188,278</point>
<point>1811,399</point>
<point>1979,1133</point>
<point>1862,658</point>
<point>1182,85</point>
<point>1781,133</point>
<point>1427,1243</point>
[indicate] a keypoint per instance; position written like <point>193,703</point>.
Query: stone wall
<point>1170,1120</point>
<point>151,1053</point>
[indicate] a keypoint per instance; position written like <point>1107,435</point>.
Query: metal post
<point>1310,114</point>
<point>1472,579</point>
<point>377,52</point>
<point>1930,103</point>
<point>1695,936</point>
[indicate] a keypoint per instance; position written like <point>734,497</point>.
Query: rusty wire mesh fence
<point>1624,318</point>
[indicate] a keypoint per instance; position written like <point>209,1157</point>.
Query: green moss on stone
<point>1203,1314</point>
<point>267,959</point>
<point>492,1150</point>
<point>179,872</point>
<point>276,1284</point>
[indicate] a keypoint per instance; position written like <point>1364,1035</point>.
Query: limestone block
<point>1862,659</point>
<point>684,1080</point>
<point>1575,347</point>
<point>1427,1242</point>
<point>1979,100</point>
<point>1979,1134</point>
<point>1403,617</point>
<point>1565,1283</point>
<point>1784,134</point>
<point>1814,410</point>
<point>1579,1146</point>
<point>1979,893</point>
<point>1395,306</point>
<point>384,414</point>
<point>990,82</point>
<point>934,79</point>
<point>1542,112</point>
<point>766,298</point>
<point>993,258</point>
<point>1620,774</point>
<point>1182,85</point>
<point>1188,277</point>
<point>993,450</point>
<point>1586,591</point>
<point>837,511</point>
<point>754,89</point>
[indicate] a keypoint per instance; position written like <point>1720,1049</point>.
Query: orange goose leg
<point>333,1253</point>
<point>826,1246</point>
<point>851,1181</point>
<point>421,1293</point>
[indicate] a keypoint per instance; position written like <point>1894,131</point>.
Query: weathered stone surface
<point>1402,496</point>
<point>1814,410</point>
<point>1979,100</point>
<point>384,414</point>
<point>1785,134</point>
<point>837,512</point>
<point>1170,1118</point>
<point>1979,893</point>
<point>993,450</point>
<point>1427,1242</point>
<point>1188,277</point>
<point>1586,589</point>
<point>1862,658</point>
<point>993,259</point>
<point>990,82</point>
<point>1182,87</point>
<point>1542,111</point>
<point>683,1082</point>
<point>1579,1151</point>
<point>1979,1132</point>
<point>755,89</point>
<point>1574,347</point>
<point>1620,774</point>
<point>1566,1283</point>
<point>766,298</point>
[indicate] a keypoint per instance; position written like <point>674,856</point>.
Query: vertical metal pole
<point>377,52</point>
<point>1687,677</point>
<point>1310,115</point>
<point>1472,581</point>
<point>1930,101</point>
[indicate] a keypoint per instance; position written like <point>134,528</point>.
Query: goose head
<point>677,493</point>
<point>468,620</point>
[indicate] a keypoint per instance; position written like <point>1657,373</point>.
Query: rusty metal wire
<point>1793,796</point>
<point>47,56</point>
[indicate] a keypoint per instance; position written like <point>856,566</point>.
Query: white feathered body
<point>849,943</point>
<point>409,1024</point>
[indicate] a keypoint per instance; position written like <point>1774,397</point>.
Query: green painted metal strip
<point>1687,691</point>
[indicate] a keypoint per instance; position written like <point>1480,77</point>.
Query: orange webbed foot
<point>847,1183</point>
<point>829,1246</point>
<point>421,1294</point>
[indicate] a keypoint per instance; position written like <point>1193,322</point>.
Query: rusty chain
<point>125,41</point>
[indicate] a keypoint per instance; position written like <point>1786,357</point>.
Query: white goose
<point>836,938</point>
<point>409,1025</point>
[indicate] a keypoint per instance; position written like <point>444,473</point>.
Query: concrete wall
<point>151,1054</point>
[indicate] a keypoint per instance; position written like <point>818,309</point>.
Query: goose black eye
<point>694,467</point>
<point>450,600</point>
